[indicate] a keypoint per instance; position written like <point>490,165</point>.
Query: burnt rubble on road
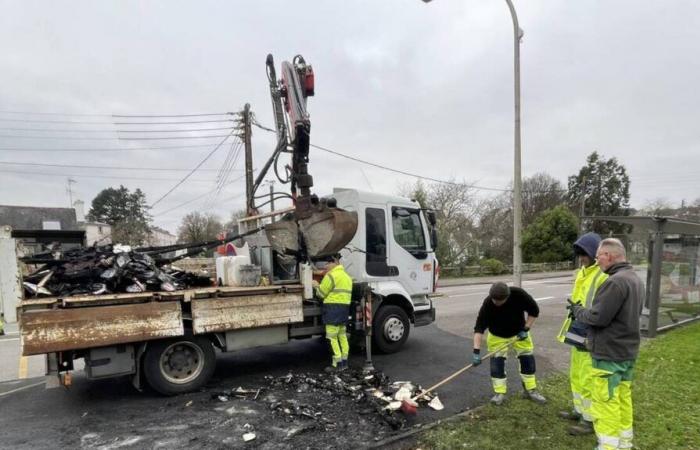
<point>103,270</point>
<point>307,410</point>
<point>324,402</point>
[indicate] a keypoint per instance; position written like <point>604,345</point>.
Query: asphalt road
<point>32,417</point>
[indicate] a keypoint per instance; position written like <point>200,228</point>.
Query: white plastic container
<point>226,269</point>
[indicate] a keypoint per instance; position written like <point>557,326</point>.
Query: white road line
<point>8,340</point>
<point>463,295</point>
<point>22,388</point>
<point>543,298</point>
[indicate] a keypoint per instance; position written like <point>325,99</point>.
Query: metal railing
<point>475,271</point>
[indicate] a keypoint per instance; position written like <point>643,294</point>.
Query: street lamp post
<point>517,179</point>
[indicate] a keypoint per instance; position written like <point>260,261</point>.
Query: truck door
<point>410,250</point>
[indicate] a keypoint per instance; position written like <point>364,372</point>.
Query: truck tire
<point>179,365</point>
<point>391,327</point>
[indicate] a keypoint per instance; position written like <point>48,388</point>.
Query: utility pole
<point>582,209</point>
<point>247,131</point>
<point>69,189</point>
<point>517,178</point>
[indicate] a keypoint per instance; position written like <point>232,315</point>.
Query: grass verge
<point>666,398</point>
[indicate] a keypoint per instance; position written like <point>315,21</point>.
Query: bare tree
<point>198,227</point>
<point>540,193</point>
<point>456,208</point>
<point>658,207</point>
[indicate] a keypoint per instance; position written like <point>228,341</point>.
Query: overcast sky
<point>424,88</point>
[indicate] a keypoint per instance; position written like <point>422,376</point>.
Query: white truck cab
<point>394,251</point>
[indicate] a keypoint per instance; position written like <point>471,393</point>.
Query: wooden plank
<point>79,328</point>
<point>36,303</point>
<point>221,314</point>
<point>107,299</point>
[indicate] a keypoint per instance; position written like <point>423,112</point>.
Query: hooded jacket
<point>614,315</point>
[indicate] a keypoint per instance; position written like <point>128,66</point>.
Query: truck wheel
<point>391,328</point>
<point>176,366</point>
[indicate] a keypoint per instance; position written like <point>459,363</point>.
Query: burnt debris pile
<point>103,270</point>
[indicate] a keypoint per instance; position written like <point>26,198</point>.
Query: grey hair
<point>614,246</point>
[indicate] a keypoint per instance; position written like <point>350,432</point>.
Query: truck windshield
<point>408,230</point>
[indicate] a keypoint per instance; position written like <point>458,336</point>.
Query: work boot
<point>330,369</point>
<point>498,399</point>
<point>343,366</point>
<point>536,397</point>
<point>582,428</point>
<point>570,415</point>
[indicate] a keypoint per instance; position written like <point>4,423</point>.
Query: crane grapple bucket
<point>325,232</point>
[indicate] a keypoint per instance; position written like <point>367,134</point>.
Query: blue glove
<point>476,357</point>
<point>522,335</point>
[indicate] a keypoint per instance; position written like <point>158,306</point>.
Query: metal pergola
<point>658,227</point>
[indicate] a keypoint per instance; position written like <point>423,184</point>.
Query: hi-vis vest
<point>336,287</point>
<point>588,280</point>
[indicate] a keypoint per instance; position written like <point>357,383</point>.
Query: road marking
<point>23,363</point>
<point>463,295</point>
<point>9,339</point>
<point>22,388</point>
<point>543,298</point>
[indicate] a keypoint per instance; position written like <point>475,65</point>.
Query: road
<point>32,417</point>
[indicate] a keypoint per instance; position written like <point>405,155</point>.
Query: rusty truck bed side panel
<point>53,330</point>
<point>248,311</point>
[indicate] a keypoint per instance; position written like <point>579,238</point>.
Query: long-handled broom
<point>410,406</point>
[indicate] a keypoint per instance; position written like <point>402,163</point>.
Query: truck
<point>168,339</point>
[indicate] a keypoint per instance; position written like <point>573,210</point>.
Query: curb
<point>424,427</point>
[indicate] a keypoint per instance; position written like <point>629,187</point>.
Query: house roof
<point>32,217</point>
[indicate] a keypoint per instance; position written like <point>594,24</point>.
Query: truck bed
<point>54,324</point>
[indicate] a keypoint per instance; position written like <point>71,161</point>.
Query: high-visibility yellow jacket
<point>588,280</point>
<point>336,287</point>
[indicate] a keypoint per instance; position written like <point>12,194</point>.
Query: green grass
<point>666,396</point>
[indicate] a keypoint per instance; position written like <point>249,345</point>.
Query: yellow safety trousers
<point>588,280</point>
<point>524,347</point>
<point>611,406</point>
<point>338,340</point>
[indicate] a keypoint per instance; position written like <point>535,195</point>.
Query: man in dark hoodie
<point>588,279</point>
<point>613,340</point>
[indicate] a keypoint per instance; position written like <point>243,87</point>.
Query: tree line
<point>474,230</point>
<point>471,229</point>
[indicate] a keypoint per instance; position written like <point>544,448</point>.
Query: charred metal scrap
<point>116,268</point>
<point>102,270</point>
<point>313,397</point>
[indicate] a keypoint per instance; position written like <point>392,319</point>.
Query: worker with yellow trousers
<point>335,290</point>
<point>503,315</point>
<point>588,280</point>
<point>613,339</point>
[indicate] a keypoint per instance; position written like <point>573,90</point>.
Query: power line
<point>75,166</point>
<point>34,113</point>
<point>172,115</point>
<point>193,170</point>
<point>402,172</point>
<point>117,149</point>
<point>74,138</point>
<point>73,130</point>
<point>194,199</point>
<point>436,180</point>
<point>113,177</point>
<point>83,122</point>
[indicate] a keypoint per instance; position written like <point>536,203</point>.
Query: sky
<point>422,88</point>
